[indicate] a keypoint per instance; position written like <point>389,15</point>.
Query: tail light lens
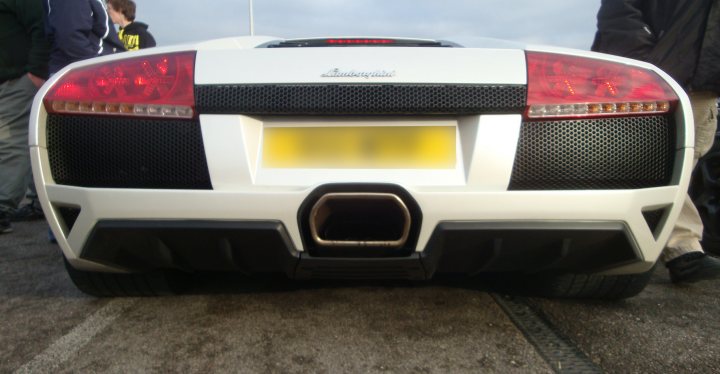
<point>561,86</point>
<point>147,86</point>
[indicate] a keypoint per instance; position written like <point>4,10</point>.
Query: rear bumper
<point>465,248</point>
<point>459,231</point>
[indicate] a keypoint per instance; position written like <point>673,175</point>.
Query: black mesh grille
<point>359,99</point>
<point>91,151</point>
<point>613,153</point>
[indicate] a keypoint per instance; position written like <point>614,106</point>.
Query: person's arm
<point>622,29</point>
<point>71,22</point>
<point>31,17</point>
<point>103,29</point>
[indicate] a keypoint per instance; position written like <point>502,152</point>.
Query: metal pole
<point>252,24</point>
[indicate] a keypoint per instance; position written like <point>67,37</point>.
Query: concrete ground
<point>231,324</point>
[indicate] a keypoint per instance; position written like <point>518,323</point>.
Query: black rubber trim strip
<point>558,351</point>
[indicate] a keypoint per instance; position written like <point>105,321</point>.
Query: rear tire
<point>577,286</point>
<point>156,283</point>
<point>594,286</point>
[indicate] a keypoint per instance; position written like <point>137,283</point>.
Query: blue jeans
<point>16,98</point>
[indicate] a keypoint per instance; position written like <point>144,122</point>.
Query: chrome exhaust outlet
<point>360,219</point>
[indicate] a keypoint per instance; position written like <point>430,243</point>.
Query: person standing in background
<point>24,54</point>
<point>134,35</point>
<point>78,30</point>
<point>682,37</point>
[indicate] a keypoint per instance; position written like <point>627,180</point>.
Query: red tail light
<point>147,86</point>
<point>562,86</point>
<point>360,41</point>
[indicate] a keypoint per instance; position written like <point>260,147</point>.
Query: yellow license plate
<point>358,147</point>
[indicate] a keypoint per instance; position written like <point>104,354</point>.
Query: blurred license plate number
<point>388,147</point>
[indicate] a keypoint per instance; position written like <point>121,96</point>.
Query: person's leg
<point>32,210</point>
<point>686,234</point>
<point>683,255</point>
<point>15,100</point>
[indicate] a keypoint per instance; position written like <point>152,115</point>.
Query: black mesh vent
<point>612,153</point>
<point>359,99</point>
<point>69,216</point>
<point>653,217</point>
<point>91,151</point>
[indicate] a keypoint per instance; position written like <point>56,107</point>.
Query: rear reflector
<point>147,86</point>
<point>561,86</point>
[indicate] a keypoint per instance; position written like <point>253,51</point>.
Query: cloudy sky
<point>567,23</point>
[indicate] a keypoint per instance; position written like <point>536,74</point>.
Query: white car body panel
<point>303,65</point>
<point>244,190</point>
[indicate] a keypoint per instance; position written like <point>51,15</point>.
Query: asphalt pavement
<point>228,323</point>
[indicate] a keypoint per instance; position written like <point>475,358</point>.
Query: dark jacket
<point>78,29</point>
<point>135,36</point>
<point>682,37</point>
<point>23,47</point>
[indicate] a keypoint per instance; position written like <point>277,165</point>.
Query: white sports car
<point>362,158</point>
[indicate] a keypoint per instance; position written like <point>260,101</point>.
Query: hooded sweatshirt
<point>135,36</point>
